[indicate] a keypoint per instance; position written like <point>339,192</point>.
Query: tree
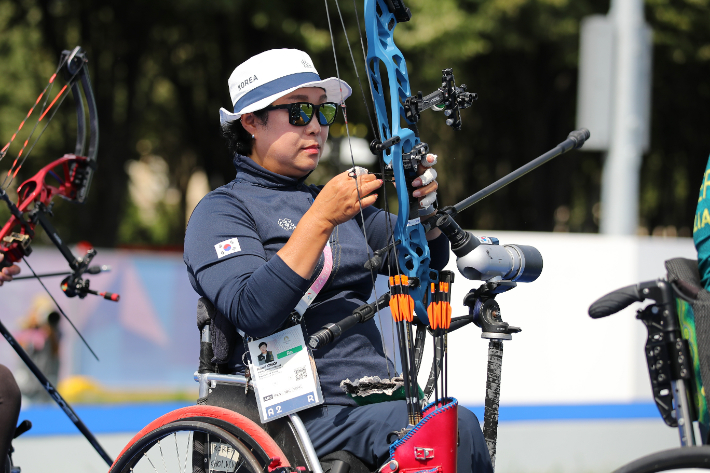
<point>160,73</point>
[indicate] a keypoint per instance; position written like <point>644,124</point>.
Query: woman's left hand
<point>426,185</point>
<point>425,189</point>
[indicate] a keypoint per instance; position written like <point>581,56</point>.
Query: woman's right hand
<point>339,201</point>
<point>336,203</point>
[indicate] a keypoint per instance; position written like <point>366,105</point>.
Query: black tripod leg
<point>490,417</point>
<point>55,395</point>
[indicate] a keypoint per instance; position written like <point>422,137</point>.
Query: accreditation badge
<point>284,374</point>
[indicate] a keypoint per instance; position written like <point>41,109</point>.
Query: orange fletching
<point>430,308</point>
<point>394,303</point>
<point>408,308</point>
<point>394,307</point>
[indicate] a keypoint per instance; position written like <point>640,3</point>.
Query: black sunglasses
<point>301,113</point>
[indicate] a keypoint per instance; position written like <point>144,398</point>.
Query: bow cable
<point>352,158</point>
<point>392,244</point>
<point>6,184</point>
<point>49,86</point>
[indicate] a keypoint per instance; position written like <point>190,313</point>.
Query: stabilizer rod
<point>574,140</point>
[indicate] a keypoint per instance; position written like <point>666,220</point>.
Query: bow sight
<point>447,98</point>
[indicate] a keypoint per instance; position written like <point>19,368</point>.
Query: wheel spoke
<point>162,456</point>
<point>177,451</point>
<point>208,454</point>
<point>213,449</point>
<point>187,449</point>
<point>145,454</point>
<point>240,464</point>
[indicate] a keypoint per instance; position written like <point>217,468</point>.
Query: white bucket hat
<point>262,79</point>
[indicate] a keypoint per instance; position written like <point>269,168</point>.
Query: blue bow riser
<point>413,251</point>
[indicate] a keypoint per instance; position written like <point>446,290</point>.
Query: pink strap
<point>315,288</point>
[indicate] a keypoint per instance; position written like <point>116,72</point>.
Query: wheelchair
<point>677,353</point>
<point>222,432</point>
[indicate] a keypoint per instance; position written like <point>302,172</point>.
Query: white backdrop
<point>562,356</point>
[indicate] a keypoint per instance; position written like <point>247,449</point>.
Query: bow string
<point>397,142</point>
<point>400,152</point>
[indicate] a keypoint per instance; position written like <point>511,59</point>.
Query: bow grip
<point>14,247</point>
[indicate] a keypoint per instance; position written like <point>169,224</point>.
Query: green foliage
<point>135,231</point>
<point>160,72</point>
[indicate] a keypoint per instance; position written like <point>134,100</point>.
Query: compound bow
<point>415,286</point>
<point>400,147</point>
<point>71,174</point>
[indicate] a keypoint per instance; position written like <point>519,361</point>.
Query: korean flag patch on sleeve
<point>227,247</point>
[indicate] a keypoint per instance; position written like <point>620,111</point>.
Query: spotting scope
<point>483,259</point>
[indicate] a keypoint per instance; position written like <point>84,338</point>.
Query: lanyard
<point>316,287</point>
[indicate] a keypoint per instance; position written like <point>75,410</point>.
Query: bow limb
<point>399,146</point>
<point>35,197</point>
<point>77,67</point>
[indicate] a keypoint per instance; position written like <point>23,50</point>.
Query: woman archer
<point>255,246</point>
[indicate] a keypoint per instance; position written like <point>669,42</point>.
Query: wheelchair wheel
<point>672,459</point>
<point>188,445</point>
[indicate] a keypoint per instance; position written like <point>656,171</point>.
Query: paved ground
<point>579,447</point>
<point>524,447</point>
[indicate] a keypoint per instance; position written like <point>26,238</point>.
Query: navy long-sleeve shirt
<point>231,243</point>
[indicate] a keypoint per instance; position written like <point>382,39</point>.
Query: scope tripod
<point>486,314</point>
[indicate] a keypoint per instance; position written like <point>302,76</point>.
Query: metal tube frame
<point>683,415</point>
<point>210,380</point>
